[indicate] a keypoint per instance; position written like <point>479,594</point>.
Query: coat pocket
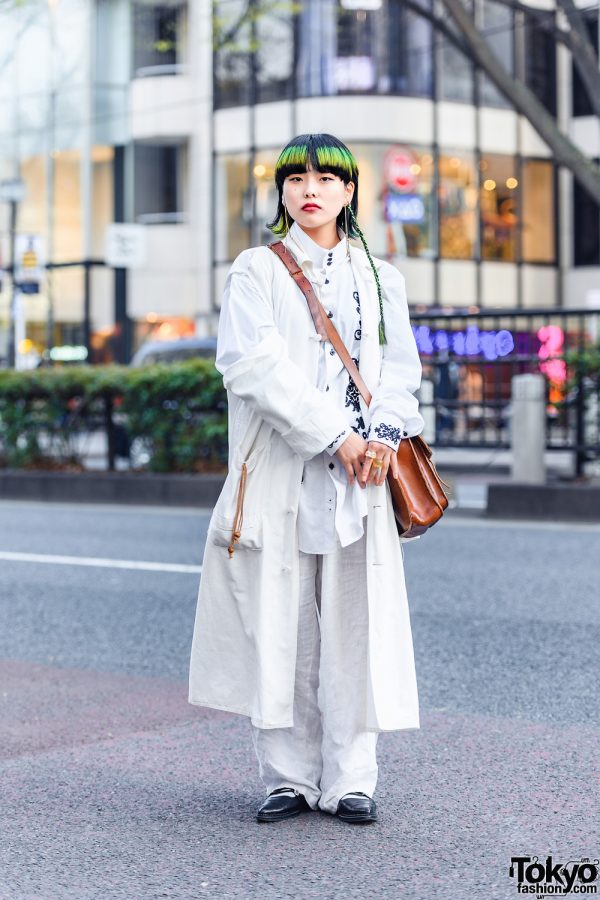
<point>236,521</point>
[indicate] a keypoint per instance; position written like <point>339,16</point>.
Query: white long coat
<point>244,642</point>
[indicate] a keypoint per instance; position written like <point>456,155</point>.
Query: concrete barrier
<point>111,487</point>
<point>528,428</point>
<point>563,502</point>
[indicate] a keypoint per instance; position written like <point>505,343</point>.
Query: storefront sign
<point>552,338</point>
<point>471,342</point>
<point>29,262</point>
<point>125,246</point>
<point>404,208</point>
<point>399,170</point>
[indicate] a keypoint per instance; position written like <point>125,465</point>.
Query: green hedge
<point>177,412</point>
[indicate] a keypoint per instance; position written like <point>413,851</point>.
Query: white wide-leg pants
<point>326,753</point>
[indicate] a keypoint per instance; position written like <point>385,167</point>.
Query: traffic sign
<point>125,246</point>
<point>12,190</point>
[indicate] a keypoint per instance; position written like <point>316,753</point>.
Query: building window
<point>232,61</point>
<point>538,240</point>
<point>540,61</point>
<point>497,26</point>
<point>274,57</point>
<point>157,30</point>
<point>409,52</point>
<point>232,207</point>
<point>395,201</point>
<point>499,207</point>
<point>158,183</point>
<point>329,47</point>
<point>456,74</point>
<point>457,198</point>
<point>580,99</point>
<point>586,232</point>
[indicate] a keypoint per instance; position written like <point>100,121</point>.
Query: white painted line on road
<point>54,559</point>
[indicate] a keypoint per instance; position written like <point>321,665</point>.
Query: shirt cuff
<point>386,434</point>
<point>337,441</point>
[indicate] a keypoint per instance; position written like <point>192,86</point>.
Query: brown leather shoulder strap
<point>323,324</point>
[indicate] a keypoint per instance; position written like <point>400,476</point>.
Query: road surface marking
<point>98,561</point>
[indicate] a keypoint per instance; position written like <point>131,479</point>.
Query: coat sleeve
<point>252,355</point>
<point>394,410</point>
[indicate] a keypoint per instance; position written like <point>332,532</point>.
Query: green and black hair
<point>324,153</point>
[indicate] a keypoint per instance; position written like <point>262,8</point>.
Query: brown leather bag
<point>418,498</point>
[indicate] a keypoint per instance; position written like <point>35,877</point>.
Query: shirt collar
<point>307,250</point>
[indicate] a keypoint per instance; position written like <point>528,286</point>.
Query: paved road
<point>113,786</point>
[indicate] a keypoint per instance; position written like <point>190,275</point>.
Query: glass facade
<point>321,49</point>
<point>496,23</point>
<point>158,36</point>
<point>579,96</point>
<point>501,208</point>
<point>586,235</point>
<point>232,234</point>
<point>457,202</point>
<point>159,170</point>
<point>539,216</point>
<point>333,47</point>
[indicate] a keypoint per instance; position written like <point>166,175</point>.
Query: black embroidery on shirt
<point>329,446</point>
<point>359,426</point>
<point>358,332</point>
<point>388,431</point>
<point>352,392</point>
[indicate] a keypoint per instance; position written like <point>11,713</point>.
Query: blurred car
<point>174,351</point>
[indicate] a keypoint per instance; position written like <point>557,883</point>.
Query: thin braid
<point>382,337</point>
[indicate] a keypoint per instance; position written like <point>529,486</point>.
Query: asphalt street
<point>113,786</point>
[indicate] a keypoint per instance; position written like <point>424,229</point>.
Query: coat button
<point>286,568</point>
<point>405,433</point>
<point>331,466</point>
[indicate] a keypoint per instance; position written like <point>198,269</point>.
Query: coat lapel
<point>370,354</point>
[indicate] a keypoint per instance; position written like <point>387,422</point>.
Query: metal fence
<point>469,360</point>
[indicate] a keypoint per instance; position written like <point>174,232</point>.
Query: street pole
<point>12,191</point>
<point>13,278</point>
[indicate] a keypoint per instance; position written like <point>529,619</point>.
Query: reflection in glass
<point>275,54</point>
<point>157,32</point>
<point>157,182</point>
<point>456,79</point>
<point>232,69</point>
<point>540,61</point>
<point>497,26</point>
<point>586,227</point>
<point>499,207</point>
<point>457,197</point>
<point>232,233</point>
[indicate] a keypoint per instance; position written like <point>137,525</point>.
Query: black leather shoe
<point>282,804</point>
<point>357,808</point>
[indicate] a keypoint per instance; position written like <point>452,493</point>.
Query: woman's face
<point>315,198</point>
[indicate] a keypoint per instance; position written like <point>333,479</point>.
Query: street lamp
<point>12,191</point>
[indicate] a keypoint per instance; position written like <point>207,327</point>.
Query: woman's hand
<point>351,453</point>
<point>378,474</point>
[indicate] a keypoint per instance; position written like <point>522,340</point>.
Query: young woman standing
<point>302,621</point>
